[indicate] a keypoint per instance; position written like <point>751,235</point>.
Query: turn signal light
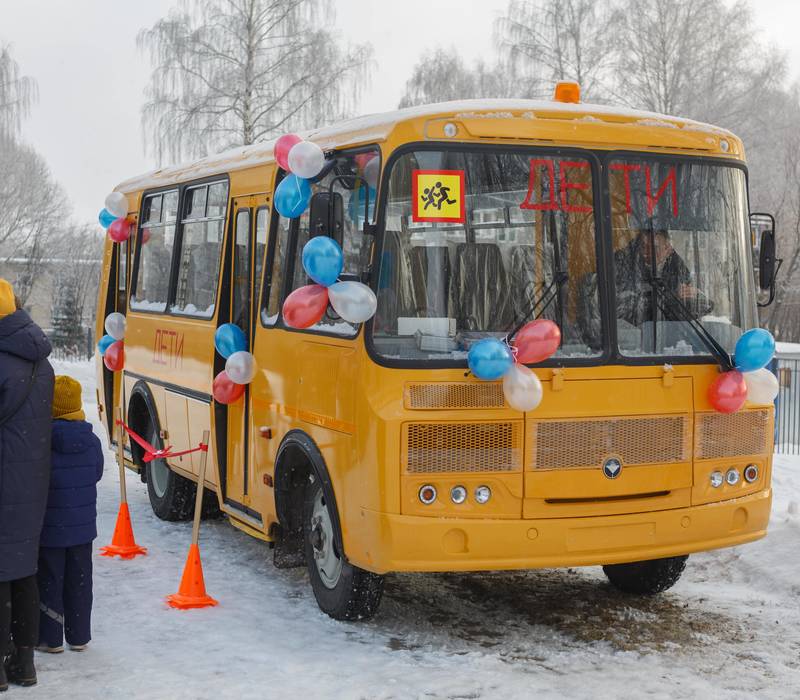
<point>427,494</point>
<point>751,473</point>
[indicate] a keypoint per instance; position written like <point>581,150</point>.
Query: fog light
<point>458,494</point>
<point>427,494</point>
<point>751,473</point>
<point>732,477</point>
<point>483,494</point>
<point>716,479</point>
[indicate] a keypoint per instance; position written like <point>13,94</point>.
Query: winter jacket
<point>77,465</point>
<point>24,442</point>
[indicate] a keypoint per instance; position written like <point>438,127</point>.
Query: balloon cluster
<point>112,345</point>
<point>303,161</point>
<point>750,381</point>
<point>114,218</point>
<point>490,359</point>
<point>323,261</point>
<point>240,365</point>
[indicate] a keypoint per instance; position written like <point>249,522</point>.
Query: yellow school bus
<point>361,450</point>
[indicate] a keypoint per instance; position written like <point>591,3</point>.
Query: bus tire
<point>343,591</point>
<point>646,577</point>
<point>171,495</point>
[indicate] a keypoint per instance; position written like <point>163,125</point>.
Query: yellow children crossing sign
<point>438,195</point>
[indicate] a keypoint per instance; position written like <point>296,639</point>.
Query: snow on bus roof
<point>376,127</point>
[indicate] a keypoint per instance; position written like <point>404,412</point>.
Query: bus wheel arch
<point>141,414</point>
<point>299,460</point>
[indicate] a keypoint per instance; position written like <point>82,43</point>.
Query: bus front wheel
<point>646,577</point>
<point>171,495</point>
<point>342,590</point>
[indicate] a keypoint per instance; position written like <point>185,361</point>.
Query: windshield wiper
<point>674,306</point>
<point>553,291</point>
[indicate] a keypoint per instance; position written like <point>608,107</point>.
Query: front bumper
<point>387,542</point>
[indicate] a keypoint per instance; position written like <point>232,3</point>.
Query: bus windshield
<point>684,225</point>
<point>477,242</point>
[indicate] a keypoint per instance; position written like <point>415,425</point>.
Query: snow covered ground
<point>729,629</point>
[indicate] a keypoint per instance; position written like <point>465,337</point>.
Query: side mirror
<point>762,233</point>
<point>326,217</point>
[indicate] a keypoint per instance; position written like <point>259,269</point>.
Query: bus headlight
<point>483,494</point>
<point>732,477</point>
<point>716,479</point>
<point>458,494</point>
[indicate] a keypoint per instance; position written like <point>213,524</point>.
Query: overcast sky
<point>91,76</point>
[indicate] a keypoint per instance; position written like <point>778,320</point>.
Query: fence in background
<point>83,350</point>
<point>787,413</point>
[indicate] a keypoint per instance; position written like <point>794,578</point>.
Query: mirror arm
<point>778,263</point>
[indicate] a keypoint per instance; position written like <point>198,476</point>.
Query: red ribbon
<point>151,453</point>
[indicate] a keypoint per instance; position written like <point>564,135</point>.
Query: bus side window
<point>154,252</point>
<point>276,265</point>
<point>262,221</point>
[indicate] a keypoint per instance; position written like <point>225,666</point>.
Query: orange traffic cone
<point>192,591</point>
<point>122,543</point>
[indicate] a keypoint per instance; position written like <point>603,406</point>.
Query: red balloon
<point>728,392</point>
<point>305,306</point>
<point>225,390</point>
<point>145,236</point>
<point>114,359</point>
<point>120,230</point>
<point>282,147</point>
<point>363,158</point>
<point>536,341</point>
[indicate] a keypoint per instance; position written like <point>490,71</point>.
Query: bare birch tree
<point>233,72</point>
<point>17,94</point>
<point>547,41</point>
<point>442,75</point>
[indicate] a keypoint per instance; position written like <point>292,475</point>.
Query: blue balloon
<point>323,260</point>
<point>106,218</point>
<point>292,196</point>
<point>229,339</point>
<point>754,350</point>
<point>489,359</point>
<point>103,343</point>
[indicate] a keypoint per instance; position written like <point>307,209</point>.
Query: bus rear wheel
<point>171,495</point>
<point>342,590</point>
<point>646,577</point>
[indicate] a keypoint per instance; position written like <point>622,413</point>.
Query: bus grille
<point>463,447</point>
<point>575,444</point>
<point>731,434</point>
<point>444,395</point>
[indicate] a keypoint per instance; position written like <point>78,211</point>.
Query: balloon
<point>323,260</point>
<point>225,390</point>
<point>292,196</point>
<point>145,236</point>
<point>522,388</point>
<point>306,159</point>
<point>117,204</point>
<point>362,159</point>
<point>241,367</point>
<point>103,343</point>
<point>114,357</point>
<point>754,350</point>
<point>372,171</point>
<point>762,386</point>
<point>353,301</point>
<point>489,359</point>
<point>728,392</point>
<point>120,230</point>
<point>305,306</point>
<point>106,218</point>
<point>536,341</point>
<point>282,147</point>
<point>115,325</point>
<point>229,339</point>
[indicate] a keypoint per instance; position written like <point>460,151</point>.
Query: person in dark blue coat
<point>70,525</point>
<point>26,397</point>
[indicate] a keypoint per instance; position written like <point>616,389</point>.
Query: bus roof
<point>374,128</point>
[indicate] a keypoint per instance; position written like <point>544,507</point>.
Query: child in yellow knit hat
<point>70,525</point>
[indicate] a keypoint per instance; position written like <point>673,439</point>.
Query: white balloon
<point>522,388</point>
<point>117,204</point>
<point>762,386</point>
<point>241,367</point>
<point>306,159</point>
<point>371,172</point>
<point>115,325</point>
<point>353,301</point>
